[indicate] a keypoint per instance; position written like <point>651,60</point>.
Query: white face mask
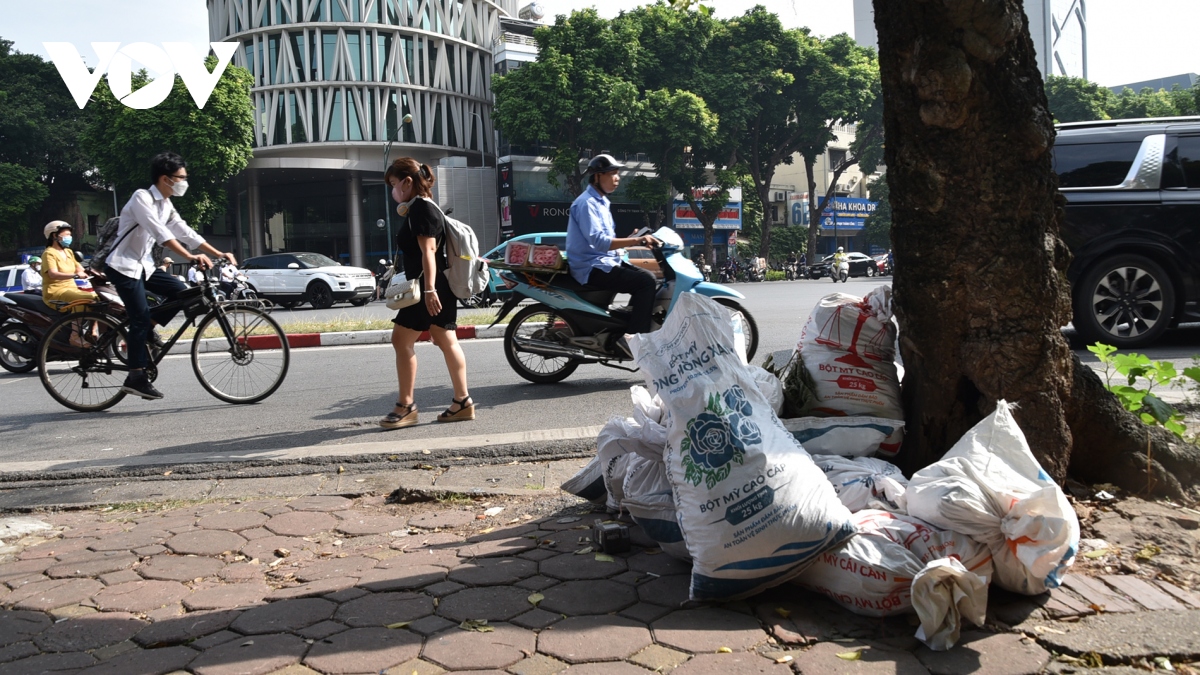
<point>179,188</point>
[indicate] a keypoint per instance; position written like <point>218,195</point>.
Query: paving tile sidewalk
<point>327,584</point>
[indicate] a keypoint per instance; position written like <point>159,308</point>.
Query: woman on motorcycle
<point>60,270</point>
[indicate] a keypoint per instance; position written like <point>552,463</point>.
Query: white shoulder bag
<point>401,294</point>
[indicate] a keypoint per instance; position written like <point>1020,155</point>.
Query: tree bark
<point>980,288</point>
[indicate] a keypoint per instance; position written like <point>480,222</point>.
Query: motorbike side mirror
<point>78,256</point>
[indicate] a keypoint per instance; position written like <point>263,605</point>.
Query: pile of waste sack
<point>766,476</point>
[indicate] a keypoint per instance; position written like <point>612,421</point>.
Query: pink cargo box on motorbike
<point>547,256</point>
<point>517,253</point>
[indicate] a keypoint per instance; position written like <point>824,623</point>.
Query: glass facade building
<point>333,81</point>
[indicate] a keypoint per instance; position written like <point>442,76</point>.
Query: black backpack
<point>106,241</point>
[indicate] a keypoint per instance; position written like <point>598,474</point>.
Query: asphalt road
<point>335,395</point>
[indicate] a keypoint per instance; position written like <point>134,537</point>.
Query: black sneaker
<point>621,347</point>
<point>154,341</point>
<point>139,385</point>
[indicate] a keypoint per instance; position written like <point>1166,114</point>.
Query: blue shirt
<point>590,232</point>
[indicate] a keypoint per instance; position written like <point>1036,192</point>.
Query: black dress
<point>425,220</point>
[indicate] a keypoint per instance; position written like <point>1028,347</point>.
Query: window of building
<point>93,222</point>
<point>338,14</point>
<point>1094,164</point>
<point>352,119</point>
<point>353,41</point>
<point>836,157</point>
<point>328,54</point>
<point>335,133</point>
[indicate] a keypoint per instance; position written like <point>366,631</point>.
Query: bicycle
<point>239,353</point>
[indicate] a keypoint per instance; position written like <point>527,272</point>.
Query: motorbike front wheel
<point>543,324</point>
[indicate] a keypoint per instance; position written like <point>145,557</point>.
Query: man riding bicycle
<point>148,218</point>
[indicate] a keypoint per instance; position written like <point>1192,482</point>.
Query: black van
<point>1133,224</point>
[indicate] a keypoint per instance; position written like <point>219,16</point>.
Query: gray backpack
<point>465,269</point>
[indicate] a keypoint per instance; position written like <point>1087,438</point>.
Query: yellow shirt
<point>57,261</point>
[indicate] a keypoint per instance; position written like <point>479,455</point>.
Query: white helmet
<point>841,250</point>
<point>54,227</point>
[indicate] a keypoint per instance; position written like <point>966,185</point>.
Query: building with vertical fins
<point>333,81</point>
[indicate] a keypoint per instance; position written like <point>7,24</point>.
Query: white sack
<point>641,435</point>
<point>990,487</point>
<point>753,508</point>
<point>865,482</point>
<point>848,349</point>
<point>945,593</point>
<point>649,500</point>
<point>845,436</point>
<point>588,483</point>
<point>873,573</point>
<point>769,386</point>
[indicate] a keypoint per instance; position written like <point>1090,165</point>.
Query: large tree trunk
<point>980,287</point>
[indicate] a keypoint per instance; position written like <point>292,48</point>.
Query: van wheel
<point>1126,301</point>
<point>319,295</point>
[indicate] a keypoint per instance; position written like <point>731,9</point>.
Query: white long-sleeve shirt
<point>31,280</point>
<point>156,221</point>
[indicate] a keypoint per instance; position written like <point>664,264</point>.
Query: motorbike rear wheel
<point>539,322</point>
<point>749,325</point>
<point>11,361</point>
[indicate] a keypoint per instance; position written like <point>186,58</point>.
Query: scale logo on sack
<point>718,437</point>
<point>117,61</point>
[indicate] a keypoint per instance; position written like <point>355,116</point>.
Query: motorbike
<point>25,317</point>
<point>706,271</point>
<point>238,289</point>
<point>571,324</point>
<point>729,272</point>
<point>789,271</point>
<point>842,273</point>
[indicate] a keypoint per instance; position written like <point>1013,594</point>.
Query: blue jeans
<point>133,294</point>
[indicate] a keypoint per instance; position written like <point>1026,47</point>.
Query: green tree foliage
<point>878,225</point>
<point>843,89</point>
<point>216,141</point>
<point>21,193</point>
<point>1146,103</point>
<point>1074,99</point>
<point>575,99</point>
<point>654,195</point>
<point>684,111</point>
<point>39,130</point>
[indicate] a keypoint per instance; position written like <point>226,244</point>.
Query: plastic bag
<point>848,348</point>
<point>990,487</point>
<point>753,508</point>
<point>872,574</point>
<point>865,482</point>
<point>945,593</point>
<point>845,436</point>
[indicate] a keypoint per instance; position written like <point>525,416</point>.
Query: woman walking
<point>422,241</point>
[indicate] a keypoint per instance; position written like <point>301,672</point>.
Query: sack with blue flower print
<point>754,509</point>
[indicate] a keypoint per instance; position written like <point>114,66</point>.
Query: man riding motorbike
<point>592,246</point>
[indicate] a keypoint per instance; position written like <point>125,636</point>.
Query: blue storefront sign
<point>846,215</point>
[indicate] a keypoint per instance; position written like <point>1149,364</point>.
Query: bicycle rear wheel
<point>84,378</point>
<point>245,364</point>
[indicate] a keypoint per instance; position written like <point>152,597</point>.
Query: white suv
<point>290,279</point>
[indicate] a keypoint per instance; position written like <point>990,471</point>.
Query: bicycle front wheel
<point>240,354</point>
<point>81,361</point>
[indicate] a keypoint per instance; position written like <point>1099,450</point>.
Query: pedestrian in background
<point>421,240</point>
